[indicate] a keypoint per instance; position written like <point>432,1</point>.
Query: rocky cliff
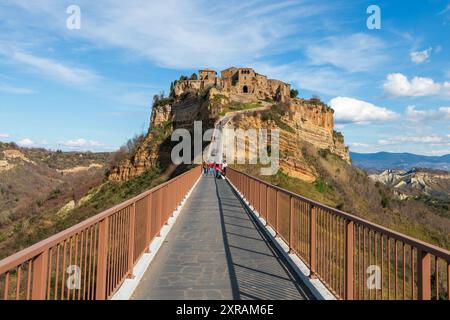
<point>299,122</point>
<point>310,121</point>
<point>416,182</point>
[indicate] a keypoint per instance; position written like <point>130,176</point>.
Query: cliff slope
<point>255,102</point>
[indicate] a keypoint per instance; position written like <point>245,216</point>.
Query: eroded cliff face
<point>153,151</point>
<point>314,123</point>
<point>416,182</point>
<point>301,120</point>
<point>298,123</point>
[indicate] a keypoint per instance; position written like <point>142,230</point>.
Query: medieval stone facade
<point>243,83</point>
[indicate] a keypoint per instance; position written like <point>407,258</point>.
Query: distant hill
<point>431,183</point>
<point>405,161</point>
<point>43,192</point>
<point>35,181</point>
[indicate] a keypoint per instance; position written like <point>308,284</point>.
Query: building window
<point>245,89</point>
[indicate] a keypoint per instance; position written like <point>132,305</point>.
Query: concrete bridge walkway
<point>215,251</point>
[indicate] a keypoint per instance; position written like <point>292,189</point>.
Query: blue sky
<point>91,88</point>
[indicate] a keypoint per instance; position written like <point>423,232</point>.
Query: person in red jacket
<point>218,169</point>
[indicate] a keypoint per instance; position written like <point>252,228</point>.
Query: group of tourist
<point>217,169</point>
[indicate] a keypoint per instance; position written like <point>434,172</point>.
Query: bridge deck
<point>216,251</point>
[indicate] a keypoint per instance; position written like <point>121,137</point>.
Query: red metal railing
<point>354,258</point>
<point>91,259</point>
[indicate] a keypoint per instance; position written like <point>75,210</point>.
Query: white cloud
<point>440,114</point>
<point>360,145</point>
<point>4,135</point>
<point>427,139</point>
<point>317,79</point>
<point>355,53</point>
<point>81,143</point>
<point>14,90</point>
<point>439,152</point>
<point>420,56</point>
<point>415,115</point>
<point>205,33</point>
<point>446,9</point>
<point>26,142</point>
<point>397,84</point>
<point>350,110</point>
<point>384,142</point>
<point>187,34</point>
<point>54,69</point>
<point>445,111</point>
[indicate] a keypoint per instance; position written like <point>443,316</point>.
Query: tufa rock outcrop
<point>207,97</point>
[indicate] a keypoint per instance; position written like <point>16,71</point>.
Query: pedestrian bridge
<point>197,237</point>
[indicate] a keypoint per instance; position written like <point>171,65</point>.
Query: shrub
<point>315,100</point>
<point>162,101</point>
<point>337,136</point>
<point>324,153</point>
<point>320,186</point>
<point>275,114</point>
<point>294,93</point>
<point>54,194</point>
<point>172,87</point>
<point>133,144</point>
<point>384,201</point>
<point>117,157</point>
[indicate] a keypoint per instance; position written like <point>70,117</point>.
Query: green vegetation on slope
<point>274,114</point>
<point>347,188</point>
<point>238,106</point>
<point>32,229</point>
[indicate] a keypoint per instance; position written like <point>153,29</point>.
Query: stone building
<point>207,76</point>
<point>242,83</point>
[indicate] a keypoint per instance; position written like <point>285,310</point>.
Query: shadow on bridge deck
<point>216,251</point>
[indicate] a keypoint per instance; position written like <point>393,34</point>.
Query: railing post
<point>423,275</point>
<point>349,256</point>
<point>241,184</point>
<point>312,241</point>
<point>291,223</point>
<point>250,192</point>
<point>148,233</point>
<point>247,189</point>
<point>131,240</point>
<point>256,206</point>
<point>277,204</point>
<point>261,199</point>
<point>40,270</point>
<point>178,192</point>
<point>159,211</point>
<point>168,201</point>
<point>266,218</point>
<point>102,254</point>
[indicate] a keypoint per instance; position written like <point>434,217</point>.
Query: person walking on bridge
<point>224,168</point>
<point>205,168</point>
<point>218,169</point>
